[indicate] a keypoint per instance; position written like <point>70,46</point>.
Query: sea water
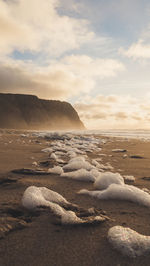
<point>130,134</point>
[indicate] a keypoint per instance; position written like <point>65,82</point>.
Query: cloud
<point>145,107</point>
<point>36,25</point>
<point>71,76</point>
<point>13,34</point>
<point>17,80</point>
<point>38,28</point>
<point>120,115</point>
<point>137,50</point>
<point>51,85</point>
<point>92,117</point>
<point>93,67</point>
<point>137,117</point>
<point>115,112</point>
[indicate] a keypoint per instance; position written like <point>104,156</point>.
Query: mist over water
<point>127,134</point>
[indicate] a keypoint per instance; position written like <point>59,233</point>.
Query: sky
<point>94,54</point>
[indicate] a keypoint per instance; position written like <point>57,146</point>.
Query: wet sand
<point>40,241</point>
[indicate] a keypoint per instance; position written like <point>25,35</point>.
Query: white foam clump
<point>35,163</point>
<point>61,161</point>
<point>47,150</point>
<point>121,192</point>
<point>81,174</point>
<point>95,173</point>
<point>76,150</point>
<point>53,156</point>
<point>60,153</point>
<point>78,163</point>
<point>56,170</point>
<point>108,178</point>
<point>146,190</point>
<point>77,159</point>
<point>128,241</point>
<point>105,167</point>
<point>71,154</point>
<point>40,196</point>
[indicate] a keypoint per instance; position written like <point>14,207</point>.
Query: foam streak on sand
<point>82,175</point>
<point>108,178</point>
<point>56,170</point>
<point>73,146</point>
<point>128,241</point>
<point>35,197</point>
<point>114,188</point>
<point>75,165</point>
<point>40,196</point>
<point>121,192</point>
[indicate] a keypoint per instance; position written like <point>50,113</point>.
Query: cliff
<point>20,111</point>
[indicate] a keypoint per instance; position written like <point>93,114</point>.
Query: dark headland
<point>21,111</point>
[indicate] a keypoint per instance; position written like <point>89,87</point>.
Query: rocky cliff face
<point>29,112</point>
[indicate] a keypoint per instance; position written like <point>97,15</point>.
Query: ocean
<point>129,134</point>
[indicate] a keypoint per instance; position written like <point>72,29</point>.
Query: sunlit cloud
<point>71,76</point>
<point>37,26</point>
<point>137,50</point>
<point>123,112</point>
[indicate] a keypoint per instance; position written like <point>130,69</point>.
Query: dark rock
<point>119,150</point>
<point>6,181</point>
<point>146,178</point>
<point>26,171</point>
<point>136,157</point>
<point>29,112</point>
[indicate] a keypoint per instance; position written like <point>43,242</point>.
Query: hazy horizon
<point>93,54</point>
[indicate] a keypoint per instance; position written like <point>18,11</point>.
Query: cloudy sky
<point>93,53</point>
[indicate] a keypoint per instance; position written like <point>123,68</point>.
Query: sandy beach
<point>36,239</point>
